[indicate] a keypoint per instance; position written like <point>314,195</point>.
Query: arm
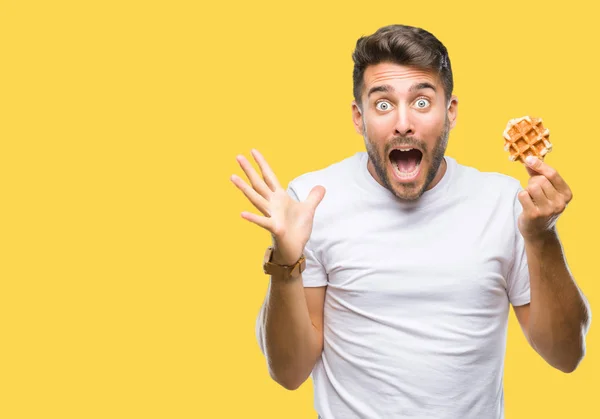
<point>289,330</point>
<point>558,317</point>
<point>289,327</point>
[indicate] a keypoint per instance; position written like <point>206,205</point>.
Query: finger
<point>257,182</point>
<point>260,221</point>
<point>526,202</point>
<point>257,200</point>
<point>315,196</point>
<point>267,173</point>
<point>531,172</point>
<point>549,172</point>
<point>548,189</point>
<point>537,194</point>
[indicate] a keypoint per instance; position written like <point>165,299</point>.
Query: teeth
<point>407,174</point>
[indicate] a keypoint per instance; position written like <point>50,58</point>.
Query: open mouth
<point>406,162</point>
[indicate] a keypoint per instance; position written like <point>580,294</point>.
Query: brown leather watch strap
<point>285,271</point>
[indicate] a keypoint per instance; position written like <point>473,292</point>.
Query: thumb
<point>536,162</point>
<point>530,171</point>
<point>315,196</point>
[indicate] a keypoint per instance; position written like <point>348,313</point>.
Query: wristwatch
<point>285,271</point>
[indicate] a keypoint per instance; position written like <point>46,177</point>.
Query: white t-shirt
<point>418,294</point>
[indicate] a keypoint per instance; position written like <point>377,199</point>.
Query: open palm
<point>289,221</point>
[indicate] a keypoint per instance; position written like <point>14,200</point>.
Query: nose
<point>404,122</point>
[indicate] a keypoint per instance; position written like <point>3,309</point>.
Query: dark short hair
<point>403,45</point>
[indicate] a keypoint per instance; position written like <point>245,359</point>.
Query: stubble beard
<point>408,191</point>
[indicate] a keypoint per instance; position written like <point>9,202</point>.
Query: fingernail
<point>530,160</point>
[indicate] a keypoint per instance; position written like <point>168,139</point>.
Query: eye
<point>422,103</point>
<point>383,106</point>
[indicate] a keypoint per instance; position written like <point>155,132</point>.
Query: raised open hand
<point>289,222</point>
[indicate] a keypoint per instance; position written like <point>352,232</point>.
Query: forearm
<point>559,313</point>
<point>286,334</point>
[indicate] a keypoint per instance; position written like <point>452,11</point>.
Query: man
<point>392,271</point>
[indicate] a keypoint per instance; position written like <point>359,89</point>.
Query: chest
<point>449,258</point>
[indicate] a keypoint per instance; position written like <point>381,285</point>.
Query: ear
<point>452,111</point>
<point>357,118</point>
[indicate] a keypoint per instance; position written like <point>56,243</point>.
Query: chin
<point>408,192</point>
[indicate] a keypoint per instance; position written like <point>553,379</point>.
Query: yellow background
<point>130,283</point>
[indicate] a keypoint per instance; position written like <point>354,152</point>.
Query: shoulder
<point>330,177</point>
<point>486,182</point>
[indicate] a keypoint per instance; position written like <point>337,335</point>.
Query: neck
<point>439,175</point>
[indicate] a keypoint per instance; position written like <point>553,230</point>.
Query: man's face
<point>404,108</point>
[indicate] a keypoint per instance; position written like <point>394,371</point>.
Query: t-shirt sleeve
<point>314,274</point>
<point>518,277</point>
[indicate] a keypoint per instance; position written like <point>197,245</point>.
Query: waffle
<point>526,136</point>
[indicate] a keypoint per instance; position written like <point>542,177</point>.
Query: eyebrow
<point>388,88</point>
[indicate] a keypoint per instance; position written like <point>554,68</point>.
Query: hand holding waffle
<point>547,194</point>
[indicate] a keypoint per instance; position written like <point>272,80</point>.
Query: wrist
<point>541,238</point>
<point>282,270</point>
<point>281,258</point>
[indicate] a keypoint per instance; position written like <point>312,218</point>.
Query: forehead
<point>399,76</point>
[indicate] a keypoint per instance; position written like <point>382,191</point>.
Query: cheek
<point>433,121</point>
<point>432,127</point>
<point>373,132</point>
<point>380,126</point>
